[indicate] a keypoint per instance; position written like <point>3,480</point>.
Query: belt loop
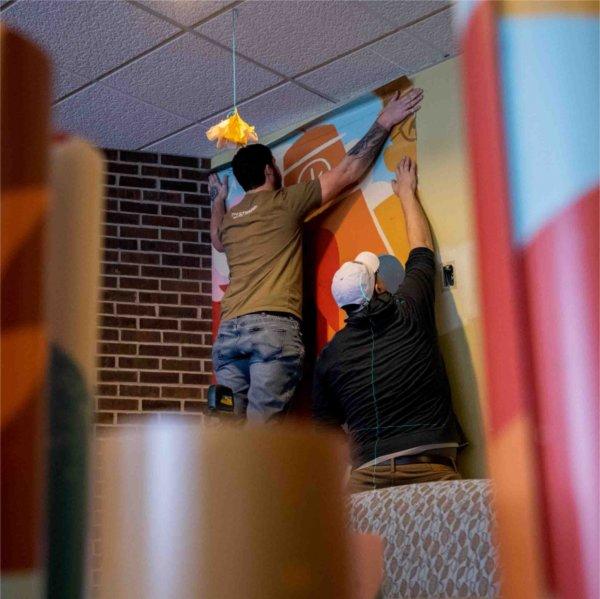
<point>393,465</point>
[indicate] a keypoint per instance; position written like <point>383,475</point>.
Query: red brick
<point>139,391</point>
<point>110,231</point>
<point>196,248</point>
<point>178,235</point>
<point>106,389</point>
<point>204,237</point>
<point>144,182</point>
<point>159,377</point>
<point>207,365</point>
<point>158,298</point>
<point>186,211</point>
<point>149,284</point>
<point>132,270</point>
<point>164,272</point>
<point>139,207</point>
<point>196,199</point>
<point>107,308</point>
<point>116,376</point>
<point>126,194</point>
<point>205,213</point>
<point>181,365</point>
<point>135,418</point>
<point>136,310</point>
<point>106,362</point>
<point>189,286</point>
<point>159,350</point>
<point>111,295</point>
<point>182,392</point>
<point>118,322</point>
<point>140,258</point>
<point>206,288</point>
<point>120,244</point>
<point>139,363</point>
<point>194,175</point>
<point>110,256</point>
<point>194,406</point>
<point>106,403</point>
<point>117,218</point>
<point>177,312</point>
<point>103,418</point>
<point>186,338</point>
<point>195,325</point>
<point>162,196</point>
<point>194,223</point>
<point>190,261</point>
<point>160,246</point>
<point>129,156</point>
<point>196,274</point>
<point>195,300</point>
<point>139,232</point>
<point>117,348</point>
<point>160,221</point>
<point>115,167</point>
<point>187,161</point>
<point>111,205</point>
<point>158,171</point>
<point>141,336</point>
<point>159,323</point>
<point>108,281</point>
<point>206,314</point>
<point>154,405</point>
<point>196,352</point>
<point>196,379</point>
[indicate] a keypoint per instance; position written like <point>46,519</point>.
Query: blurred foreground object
<point>190,512</point>
<point>25,104</point>
<point>72,278</point>
<point>531,82</point>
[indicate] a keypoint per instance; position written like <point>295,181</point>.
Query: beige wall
<point>446,197</point>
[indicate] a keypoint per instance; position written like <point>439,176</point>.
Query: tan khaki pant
<point>390,475</point>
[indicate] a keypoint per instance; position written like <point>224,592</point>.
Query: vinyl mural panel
<point>368,217</point>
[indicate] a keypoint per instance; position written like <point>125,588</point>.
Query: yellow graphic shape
<point>391,220</point>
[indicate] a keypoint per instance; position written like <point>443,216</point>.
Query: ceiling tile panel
<point>88,37</point>
<point>269,113</point>
<point>190,77</point>
<point>352,75</point>
<point>187,12</point>
<point>293,37</point>
<point>407,51</point>
<point>64,81</point>
<point>401,12</point>
<point>284,106</point>
<point>191,142</point>
<point>111,119</point>
<point>439,32</point>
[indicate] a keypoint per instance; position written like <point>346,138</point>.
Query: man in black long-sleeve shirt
<point>383,375</point>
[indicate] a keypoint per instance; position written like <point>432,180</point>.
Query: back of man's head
<point>249,165</point>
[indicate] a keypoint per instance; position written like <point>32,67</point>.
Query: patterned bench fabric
<point>437,538</point>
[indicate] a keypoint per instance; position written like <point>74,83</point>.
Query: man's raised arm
<point>218,194</point>
<point>362,155</point>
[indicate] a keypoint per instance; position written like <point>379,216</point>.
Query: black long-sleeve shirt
<point>383,374</point>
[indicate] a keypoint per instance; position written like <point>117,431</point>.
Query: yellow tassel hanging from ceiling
<point>233,129</point>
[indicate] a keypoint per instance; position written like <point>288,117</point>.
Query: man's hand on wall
<point>399,107</point>
<point>405,183</point>
<point>216,189</point>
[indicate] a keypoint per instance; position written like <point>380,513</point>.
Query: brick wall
<point>154,352</point>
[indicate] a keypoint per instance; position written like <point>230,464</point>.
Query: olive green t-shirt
<point>262,237</point>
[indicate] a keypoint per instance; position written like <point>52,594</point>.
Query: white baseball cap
<point>354,282</point>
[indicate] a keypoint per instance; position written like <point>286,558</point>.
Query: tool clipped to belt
<point>220,399</point>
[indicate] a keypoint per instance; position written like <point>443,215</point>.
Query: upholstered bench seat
<point>437,538</point>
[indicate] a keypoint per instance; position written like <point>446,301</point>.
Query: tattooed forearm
<point>370,145</point>
<point>212,192</point>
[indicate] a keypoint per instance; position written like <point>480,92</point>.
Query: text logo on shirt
<point>235,215</point>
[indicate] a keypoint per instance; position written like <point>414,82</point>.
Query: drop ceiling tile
<point>400,12</point>
<point>292,37</point>
<point>88,37</point>
<point>190,77</point>
<point>64,81</point>
<point>408,52</point>
<point>191,142</point>
<point>187,12</point>
<point>352,75</point>
<point>111,119</point>
<point>439,32</point>
<point>281,107</point>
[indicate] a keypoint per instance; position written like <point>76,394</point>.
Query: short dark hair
<point>249,165</point>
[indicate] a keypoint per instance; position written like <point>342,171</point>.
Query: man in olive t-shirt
<point>258,351</point>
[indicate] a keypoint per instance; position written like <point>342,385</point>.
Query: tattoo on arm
<point>370,145</point>
<point>212,192</point>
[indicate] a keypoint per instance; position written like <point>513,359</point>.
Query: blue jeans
<point>260,356</point>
